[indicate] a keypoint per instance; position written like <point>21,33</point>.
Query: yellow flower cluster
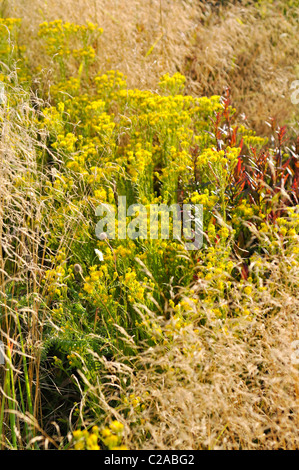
<point>61,37</point>
<point>109,83</point>
<point>85,440</point>
<point>206,199</point>
<point>9,31</point>
<point>10,23</point>
<point>135,288</point>
<point>254,141</point>
<point>55,279</point>
<point>173,84</point>
<point>93,281</point>
<point>111,436</point>
<point>65,142</point>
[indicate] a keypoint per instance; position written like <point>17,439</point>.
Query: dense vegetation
<point>142,343</point>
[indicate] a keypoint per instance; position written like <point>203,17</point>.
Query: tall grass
<point>249,46</point>
<point>143,344</point>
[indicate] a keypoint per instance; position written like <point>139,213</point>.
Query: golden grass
<point>142,38</point>
<point>232,385</point>
<point>21,255</point>
<point>252,49</point>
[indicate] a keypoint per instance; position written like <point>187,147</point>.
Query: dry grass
<point>142,38</point>
<point>21,253</point>
<point>252,49</point>
<point>234,393</point>
<point>231,386</point>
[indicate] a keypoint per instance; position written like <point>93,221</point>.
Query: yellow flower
<point>116,427</point>
<point>248,290</point>
<point>106,432</point>
<point>111,441</point>
<point>88,288</point>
